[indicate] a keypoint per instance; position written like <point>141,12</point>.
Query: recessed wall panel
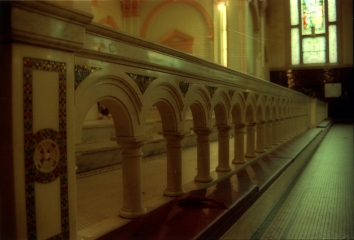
<point>45,100</point>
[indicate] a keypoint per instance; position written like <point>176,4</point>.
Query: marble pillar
<point>131,170</point>
<point>174,163</point>
<point>203,154</point>
<point>275,132</point>
<point>239,145</point>
<point>268,135</point>
<point>280,131</point>
<point>260,137</point>
<point>251,140</point>
<point>223,148</point>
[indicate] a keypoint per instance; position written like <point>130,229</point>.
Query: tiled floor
<point>320,203</point>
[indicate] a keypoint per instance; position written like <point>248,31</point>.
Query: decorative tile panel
<point>211,90</point>
<point>142,81</point>
<point>184,86</point>
<point>81,72</point>
<point>35,145</point>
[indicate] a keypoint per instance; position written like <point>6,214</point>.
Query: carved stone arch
<point>275,105</point>
<point>251,106</point>
<point>198,101</point>
<point>238,106</point>
<point>121,97</point>
<point>268,107</point>
<point>168,99</point>
<point>221,105</point>
<point>260,110</point>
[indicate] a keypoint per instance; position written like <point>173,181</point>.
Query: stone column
<point>260,137</point>
<point>203,155</point>
<point>275,132</point>
<point>174,163</point>
<point>223,148</point>
<point>280,136</point>
<point>239,145</point>
<point>251,140</point>
<point>268,135</point>
<point>131,170</point>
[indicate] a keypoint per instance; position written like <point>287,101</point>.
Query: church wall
<point>347,28</point>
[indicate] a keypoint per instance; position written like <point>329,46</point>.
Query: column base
<point>173,193</point>
<point>131,214</point>
<point>250,156</point>
<point>203,179</point>
<point>223,169</point>
<point>260,151</point>
<point>238,161</point>
<point>275,144</point>
<point>268,147</point>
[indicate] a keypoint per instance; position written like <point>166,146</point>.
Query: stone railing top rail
<point>110,44</point>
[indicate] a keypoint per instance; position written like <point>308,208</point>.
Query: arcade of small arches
<point>256,120</point>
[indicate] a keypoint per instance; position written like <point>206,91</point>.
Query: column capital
<point>251,124</point>
<point>203,131</point>
<point>240,125</point>
<point>135,139</point>
<point>223,127</point>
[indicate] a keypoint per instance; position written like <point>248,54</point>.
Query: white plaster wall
<point>276,41</point>
<point>186,19</point>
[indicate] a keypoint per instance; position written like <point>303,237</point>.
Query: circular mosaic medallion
<point>46,156</point>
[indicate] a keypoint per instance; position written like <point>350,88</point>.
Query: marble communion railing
<point>58,64</point>
<point>130,76</point>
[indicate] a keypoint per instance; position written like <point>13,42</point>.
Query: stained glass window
<point>332,36</point>
<point>295,48</point>
<point>294,12</point>
<point>332,13</point>
<point>313,31</point>
<point>313,18</point>
<point>314,50</point>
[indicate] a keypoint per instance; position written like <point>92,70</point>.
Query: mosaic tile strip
<point>142,81</point>
<point>31,141</point>
<point>81,72</point>
<point>184,86</point>
<point>231,93</point>
<point>211,90</point>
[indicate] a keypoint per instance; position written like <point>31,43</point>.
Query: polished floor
<point>320,202</point>
<point>319,205</point>
<point>99,193</point>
